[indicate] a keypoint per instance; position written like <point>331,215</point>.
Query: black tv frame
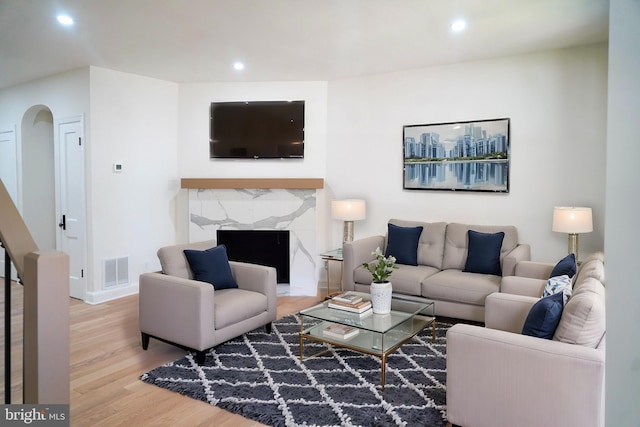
<point>256,129</point>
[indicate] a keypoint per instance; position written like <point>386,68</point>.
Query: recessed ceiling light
<point>65,20</point>
<point>458,25</point>
<point>238,66</point>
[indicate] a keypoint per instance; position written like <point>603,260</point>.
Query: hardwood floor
<point>107,360</point>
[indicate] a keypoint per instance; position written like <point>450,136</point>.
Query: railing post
<point>46,328</point>
<point>7,327</point>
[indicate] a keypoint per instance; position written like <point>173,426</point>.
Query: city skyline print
<point>457,156</point>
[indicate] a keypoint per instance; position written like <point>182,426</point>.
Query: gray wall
<point>622,232</point>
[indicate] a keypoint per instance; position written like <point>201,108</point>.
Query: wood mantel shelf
<point>234,183</point>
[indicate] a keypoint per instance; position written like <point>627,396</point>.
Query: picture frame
<point>457,156</point>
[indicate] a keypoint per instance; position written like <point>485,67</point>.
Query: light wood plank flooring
<point>107,360</point>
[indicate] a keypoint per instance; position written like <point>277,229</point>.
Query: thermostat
<point>117,167</point>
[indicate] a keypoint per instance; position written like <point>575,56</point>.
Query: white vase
<point>381,297</point>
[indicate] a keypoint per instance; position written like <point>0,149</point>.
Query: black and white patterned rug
<point>261,377</point>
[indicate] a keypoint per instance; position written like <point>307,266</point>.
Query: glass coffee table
<point>375,334</point>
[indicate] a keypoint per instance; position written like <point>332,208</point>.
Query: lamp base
<point>573,244</point>
<point>347,232</point>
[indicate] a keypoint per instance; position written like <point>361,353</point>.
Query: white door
<point>9,162</point>
<point>9,177</point>
<point>71,202</point>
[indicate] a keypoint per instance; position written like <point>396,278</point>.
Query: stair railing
<point>45,278</point>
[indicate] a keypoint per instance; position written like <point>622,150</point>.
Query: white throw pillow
<point>558,284</point>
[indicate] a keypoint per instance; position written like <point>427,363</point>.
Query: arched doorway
<point>52,188</point>
<point>38,176</point>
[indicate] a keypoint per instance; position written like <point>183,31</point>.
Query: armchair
<point>194,316</point>
<point>498,377</point>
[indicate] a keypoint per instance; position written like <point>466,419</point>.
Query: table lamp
<point>348,210</point>
<point>572,220</point>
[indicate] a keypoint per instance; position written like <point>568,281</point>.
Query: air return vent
<point>115,272</point>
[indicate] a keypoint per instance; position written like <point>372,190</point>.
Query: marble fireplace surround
<point>261,204</point>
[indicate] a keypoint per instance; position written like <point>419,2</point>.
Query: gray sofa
<point>498,377</point>
<point>190,314</point>
<point>439,276</point>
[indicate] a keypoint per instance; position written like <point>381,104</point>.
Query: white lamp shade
<point>572,220</point>
<point>348,210</point>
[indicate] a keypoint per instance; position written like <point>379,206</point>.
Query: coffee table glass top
<point>401,311</point>
<point>376,334</point>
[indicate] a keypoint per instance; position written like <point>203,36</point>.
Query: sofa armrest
<point>257,278</point>
<point>522,286</point>
<point>522,252</point>
<point>533,269</point>
<point>183,323</point>
<point>507,312</point>
<point>497,378</point>
<point>356,253</point>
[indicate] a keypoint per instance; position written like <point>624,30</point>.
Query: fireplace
<point>246,209</point>
<point>264,247</point>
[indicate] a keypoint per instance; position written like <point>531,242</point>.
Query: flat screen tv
<point>257,130</point>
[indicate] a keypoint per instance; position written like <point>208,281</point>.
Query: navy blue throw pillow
<point>483,254</point>
<point>211,266</point>
<point>544,316</point>
<point>566,265</point>
<point>402,243</point>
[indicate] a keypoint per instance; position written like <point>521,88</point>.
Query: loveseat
<point>498,376</point>
<point>446,268</point>
<point>196,315</point>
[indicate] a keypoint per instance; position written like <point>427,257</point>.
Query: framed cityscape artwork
<point>457,156</point>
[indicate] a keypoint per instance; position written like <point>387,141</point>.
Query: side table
<point>328,257</point>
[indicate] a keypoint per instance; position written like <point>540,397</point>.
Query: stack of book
<point>350,302</point>
<point>342,332</point>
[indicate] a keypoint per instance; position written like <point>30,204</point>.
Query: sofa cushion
<point>544,316</point>
<point>402,243</point>
<point>232,306</point>
<point>431,243</point>
<point>583,321</point>
<point>456,242</point>
<point>592,266</point>
<point>174,262</point>
<point>211,266</point>
<point>558,284</point>
<point>483,255</point>
<point>405,280</point>
<point>566,265</point>
<point>456,286</point>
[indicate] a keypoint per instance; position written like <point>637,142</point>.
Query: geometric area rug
<point>260,376</point>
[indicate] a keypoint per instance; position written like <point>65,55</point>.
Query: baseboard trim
<point>111,294</point>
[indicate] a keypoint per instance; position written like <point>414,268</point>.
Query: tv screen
<point>257,130</point>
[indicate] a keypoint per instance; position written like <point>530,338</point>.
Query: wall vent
<point>115,272</point>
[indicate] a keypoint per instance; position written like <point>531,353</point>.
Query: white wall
<point>65,95</point>
<point>557,104</point>
<point>193,138</point>
<point>623,234</point>
<point>132,213</point>
<point>128,119</point>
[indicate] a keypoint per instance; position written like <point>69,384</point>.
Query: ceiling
<point>280,40</point>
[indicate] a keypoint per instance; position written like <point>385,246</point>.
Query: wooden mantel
<point>234,183</point>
